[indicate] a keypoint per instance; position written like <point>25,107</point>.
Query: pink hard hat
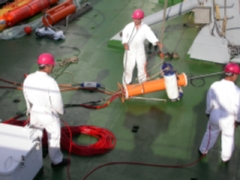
<point>46,59</point>
<point>232,68</point>
<point>138,14</point>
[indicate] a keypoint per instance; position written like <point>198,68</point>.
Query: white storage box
<point>20,152</point>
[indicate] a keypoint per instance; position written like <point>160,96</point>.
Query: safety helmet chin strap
<point>42,66</point>
<point>228,74</point>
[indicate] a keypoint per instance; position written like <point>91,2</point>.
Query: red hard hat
<point>138,14</point>
<point>46,59</point>
<point>232,68</point>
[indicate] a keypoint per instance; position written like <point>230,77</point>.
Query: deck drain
<point>16,100</point>
<point>19,114</point>
<point>135,129</point>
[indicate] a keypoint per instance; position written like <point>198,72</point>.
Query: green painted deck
<point>169,133</point>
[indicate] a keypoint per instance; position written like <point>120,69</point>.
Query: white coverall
<point>44,103</point>
<point>136,54</point>
<point>223,107</point>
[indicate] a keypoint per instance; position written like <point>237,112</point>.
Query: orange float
<point>13,5</point>
<point>149,86</point>
<point>27,29</point>
<point>20,13</point>
<point>58,12</point>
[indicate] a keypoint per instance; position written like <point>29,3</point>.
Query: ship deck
<point>169,133</point>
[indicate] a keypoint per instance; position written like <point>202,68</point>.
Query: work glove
<point>161,55</point>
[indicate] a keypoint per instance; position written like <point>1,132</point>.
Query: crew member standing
<point>222,108</point>
<point>133,36</point>
<point>44,104</point>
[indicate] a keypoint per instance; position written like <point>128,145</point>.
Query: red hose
<point>141,164</point>
<point>106,140</point>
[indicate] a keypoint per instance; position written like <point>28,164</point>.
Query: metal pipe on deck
<point>172,12</point>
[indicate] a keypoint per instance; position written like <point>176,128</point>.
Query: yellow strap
<point>217,15</point>
<point>224,25</point>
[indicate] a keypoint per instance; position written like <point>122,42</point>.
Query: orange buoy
<point>28,29</point>
<point>150,86</point>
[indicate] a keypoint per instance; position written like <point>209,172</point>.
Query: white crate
<point>202,15</point>
<point>20,153</point>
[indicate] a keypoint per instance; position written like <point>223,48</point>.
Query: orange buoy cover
<point>151,86</point>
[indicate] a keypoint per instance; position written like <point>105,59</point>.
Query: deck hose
<point>106,140</point>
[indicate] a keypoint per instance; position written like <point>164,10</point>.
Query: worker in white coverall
<point>133,36</point>
<point>222,108</point>
<point>44,104</point>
